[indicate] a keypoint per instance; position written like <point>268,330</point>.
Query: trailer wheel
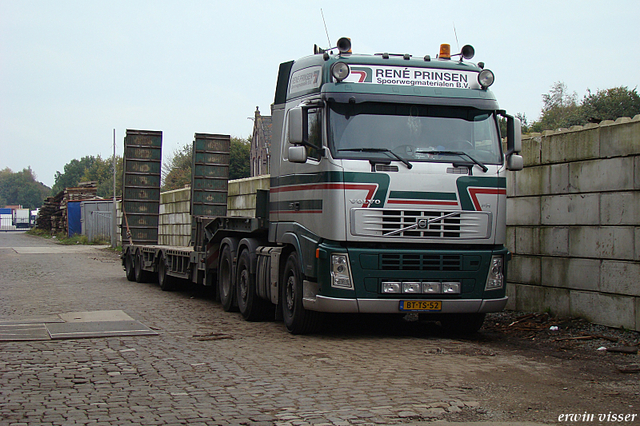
<point>129,267</point>
<point>141,275</point>
<point>166,281</point>
<point>225,279</point>
<point>463,324</point>
<point>296,318</point>
<point>251,306</point>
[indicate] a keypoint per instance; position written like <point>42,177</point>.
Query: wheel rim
<point>243,285</point>
<point>290,293</point>
<point>225,282</point>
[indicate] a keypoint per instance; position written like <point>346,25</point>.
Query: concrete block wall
<point>574,224</point>
<point>174,223</point>
<point>241,200</point>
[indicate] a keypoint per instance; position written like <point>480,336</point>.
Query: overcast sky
<point>72,71</point>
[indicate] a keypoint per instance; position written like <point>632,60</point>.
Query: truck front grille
<point>420,262</point>
<point>421,224</point>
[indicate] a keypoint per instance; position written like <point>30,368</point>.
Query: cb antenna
<point>325,27</point>
<point>456,35</point>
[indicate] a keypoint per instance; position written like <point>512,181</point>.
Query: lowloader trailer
<point>387,196</point>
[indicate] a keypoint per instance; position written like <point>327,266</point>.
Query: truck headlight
<point>340,272</point>
<point>495,278</point>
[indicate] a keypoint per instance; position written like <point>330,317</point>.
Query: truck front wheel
<point>225,279</point>
<point>296,318</point>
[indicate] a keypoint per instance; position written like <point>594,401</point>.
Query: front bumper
<point>390,306</point>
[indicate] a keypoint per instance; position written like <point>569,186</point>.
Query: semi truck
<point>387,196</point>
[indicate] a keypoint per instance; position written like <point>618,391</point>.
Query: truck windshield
<point>366,130</point>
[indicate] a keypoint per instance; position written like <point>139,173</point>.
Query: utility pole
<point>114,211</point>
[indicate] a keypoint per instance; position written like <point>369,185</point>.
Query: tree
<point>560,109</point>
<point>176,172</point>
<point>610,104</point>
<point>73,173</point>
<point>21,188</point>
<point>101,171</point>
<point>240,160</point>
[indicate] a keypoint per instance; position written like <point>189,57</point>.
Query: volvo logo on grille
<point>423,223</point>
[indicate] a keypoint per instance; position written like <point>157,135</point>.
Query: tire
<point>140,274</point>
<point>250,305</point>
<point>226,289</point>
<point>129,267</point>
<point>166,281</point>
<point>296,318</point>
<point>462,324</point>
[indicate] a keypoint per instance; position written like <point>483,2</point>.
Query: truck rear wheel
<point>251,306</point>
<point>296,318</point>
<point>129,267</point>
<point>225,279</point>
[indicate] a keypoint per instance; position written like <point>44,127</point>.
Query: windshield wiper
<point>458,153</point>
<point>385,150</point>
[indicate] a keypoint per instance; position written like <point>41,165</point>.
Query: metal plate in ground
<point>23,332</point>
<point>82,330</point>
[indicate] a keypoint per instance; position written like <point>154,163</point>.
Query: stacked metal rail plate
<point>141,186</point>
<point>209,176</point>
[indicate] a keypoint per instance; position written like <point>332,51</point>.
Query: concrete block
<point>511,239</point>
<point>523,211</point>
<point>620,138</point>
<point>553,241</point>
<point>527,240</point>
<point>571,273</point>
<point>620,278</point>
<point>637,302</point>
<point>512,179</point>
<point>636,176</point>
<point>557,179</point>
<point>578,209</point>
<point>531,150</point>
<point>613,174</point>
<point>511,294</point>
<point>606,309</point>
<point>529,298</point>
<point>531,181</point>
<point>636,231</point>
<point>564,146</point>
<point>606,242</point>
<point>620,208</point>
<point>524,269</point>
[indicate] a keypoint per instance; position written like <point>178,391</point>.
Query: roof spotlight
<point>486,78</point>
<point>340,71</point>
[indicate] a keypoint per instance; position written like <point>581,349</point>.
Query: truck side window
<point>315,133</point>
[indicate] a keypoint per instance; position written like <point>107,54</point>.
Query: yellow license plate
<point>420,305</point>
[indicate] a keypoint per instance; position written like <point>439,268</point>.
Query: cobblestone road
<point>208,367</point>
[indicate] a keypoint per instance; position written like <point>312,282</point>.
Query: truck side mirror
<point>296,125</point>
<point>515,162</point>
<point>514,135</point>
<point>298,154</point>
